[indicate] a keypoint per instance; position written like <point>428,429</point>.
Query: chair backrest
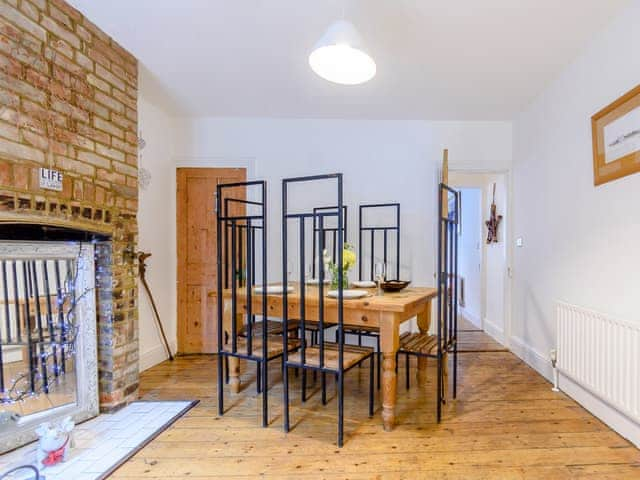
<point>387,229</point>
<point>329,234</point>
<point>447,319</point>
<point>297,223</point>
<point>238,261</point>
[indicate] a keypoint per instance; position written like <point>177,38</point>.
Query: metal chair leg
<point>340,382</point>
<point>304,385</point>
<point>439,389</point>
<point>455,370</point>
<point>220,379</point>
<point>285,389</point>
<point>407,370</point>
<point>324,388</point>
<point>226,370</point>
<point>371,381</point>
<point>379,362</point>
<point>258,377</point>
<point>265,393</point>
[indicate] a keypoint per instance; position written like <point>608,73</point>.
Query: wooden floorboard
<point>505,424</point>
<point>473,339</point>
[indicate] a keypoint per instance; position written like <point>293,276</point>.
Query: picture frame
<point>616,138</point>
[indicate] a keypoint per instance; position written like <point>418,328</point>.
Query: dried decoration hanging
<point>144,175</point>
<point>494,220</point>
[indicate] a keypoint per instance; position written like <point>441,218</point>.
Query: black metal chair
<point>444,341</point>
<point>324,357</point>
<point>330,243</point>
<point>386,230</point>
<point>327,233</point>
<point>238,269</point>
<point>274,327</point>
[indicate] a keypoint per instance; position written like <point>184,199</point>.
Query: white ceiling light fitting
<point>339,57</point>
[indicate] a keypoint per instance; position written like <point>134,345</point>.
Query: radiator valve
<point>553,356</point>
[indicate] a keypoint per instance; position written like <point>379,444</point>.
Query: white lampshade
<point>339,57</point>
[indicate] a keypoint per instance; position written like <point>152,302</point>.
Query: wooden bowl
<point>394,285</point>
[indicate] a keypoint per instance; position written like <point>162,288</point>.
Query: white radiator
<point>602,355</point>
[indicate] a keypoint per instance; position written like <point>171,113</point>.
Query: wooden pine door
<point>196,219</point>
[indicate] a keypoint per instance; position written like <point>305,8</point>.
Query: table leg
<point>389,343</point>
<point>389,385</point>
<point>424,323</point>
<point>234,362</point>
<point>234,374</point>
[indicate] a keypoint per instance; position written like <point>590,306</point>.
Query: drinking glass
<point>289,271</point>
<point>379,272</point>
<point>308,273</point>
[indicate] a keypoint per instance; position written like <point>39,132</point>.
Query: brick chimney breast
<point>68,102</point>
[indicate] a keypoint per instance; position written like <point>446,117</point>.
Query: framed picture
<point>616,138</point>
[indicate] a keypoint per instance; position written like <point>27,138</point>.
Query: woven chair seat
<point>421,343</point>
<point>352,355</point>
<point>274,346</point>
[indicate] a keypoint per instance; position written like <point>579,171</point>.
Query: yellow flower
<point>348,258</point>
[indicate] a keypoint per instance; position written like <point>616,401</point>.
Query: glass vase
<point>345,281</point>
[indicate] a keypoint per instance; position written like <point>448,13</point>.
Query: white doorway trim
<point>476,178</point>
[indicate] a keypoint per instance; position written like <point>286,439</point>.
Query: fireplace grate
<point>37,325</point>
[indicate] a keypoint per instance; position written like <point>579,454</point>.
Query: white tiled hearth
<point>105,441</point>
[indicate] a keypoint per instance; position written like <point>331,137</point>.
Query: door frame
<point>181,234</point>
<point>508,236</point>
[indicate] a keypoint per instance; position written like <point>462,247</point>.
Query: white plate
<point>364,284</point>
<point>348,293</point>
<point>274,289</point>
<point>316,281</point>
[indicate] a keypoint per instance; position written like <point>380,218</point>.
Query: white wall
<point>495,261</point>
<point>156,225</point>
<point>381,160</point>
<point>470,254</point>
<point>580,241</point>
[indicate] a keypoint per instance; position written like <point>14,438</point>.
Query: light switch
<point>519,242</point>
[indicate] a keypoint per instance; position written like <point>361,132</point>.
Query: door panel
<point>196,219</point>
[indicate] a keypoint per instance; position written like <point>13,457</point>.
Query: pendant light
<point>338,56</point>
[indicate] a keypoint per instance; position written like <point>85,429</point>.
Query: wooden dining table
<point>387,312</point>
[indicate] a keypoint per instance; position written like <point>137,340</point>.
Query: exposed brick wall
<point>68,100</point>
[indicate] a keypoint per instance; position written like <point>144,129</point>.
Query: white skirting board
<point>156,355</point>
<point>616,420</point>
<point>494,331</point>
<point>619,422</point>
<point>532,357</point>
<point>470,317</point>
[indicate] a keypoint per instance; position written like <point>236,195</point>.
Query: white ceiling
<point>437,59</point>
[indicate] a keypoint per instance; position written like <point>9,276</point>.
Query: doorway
<point>196,245</point>
<point>470,257</point>
<point>483,265</point>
